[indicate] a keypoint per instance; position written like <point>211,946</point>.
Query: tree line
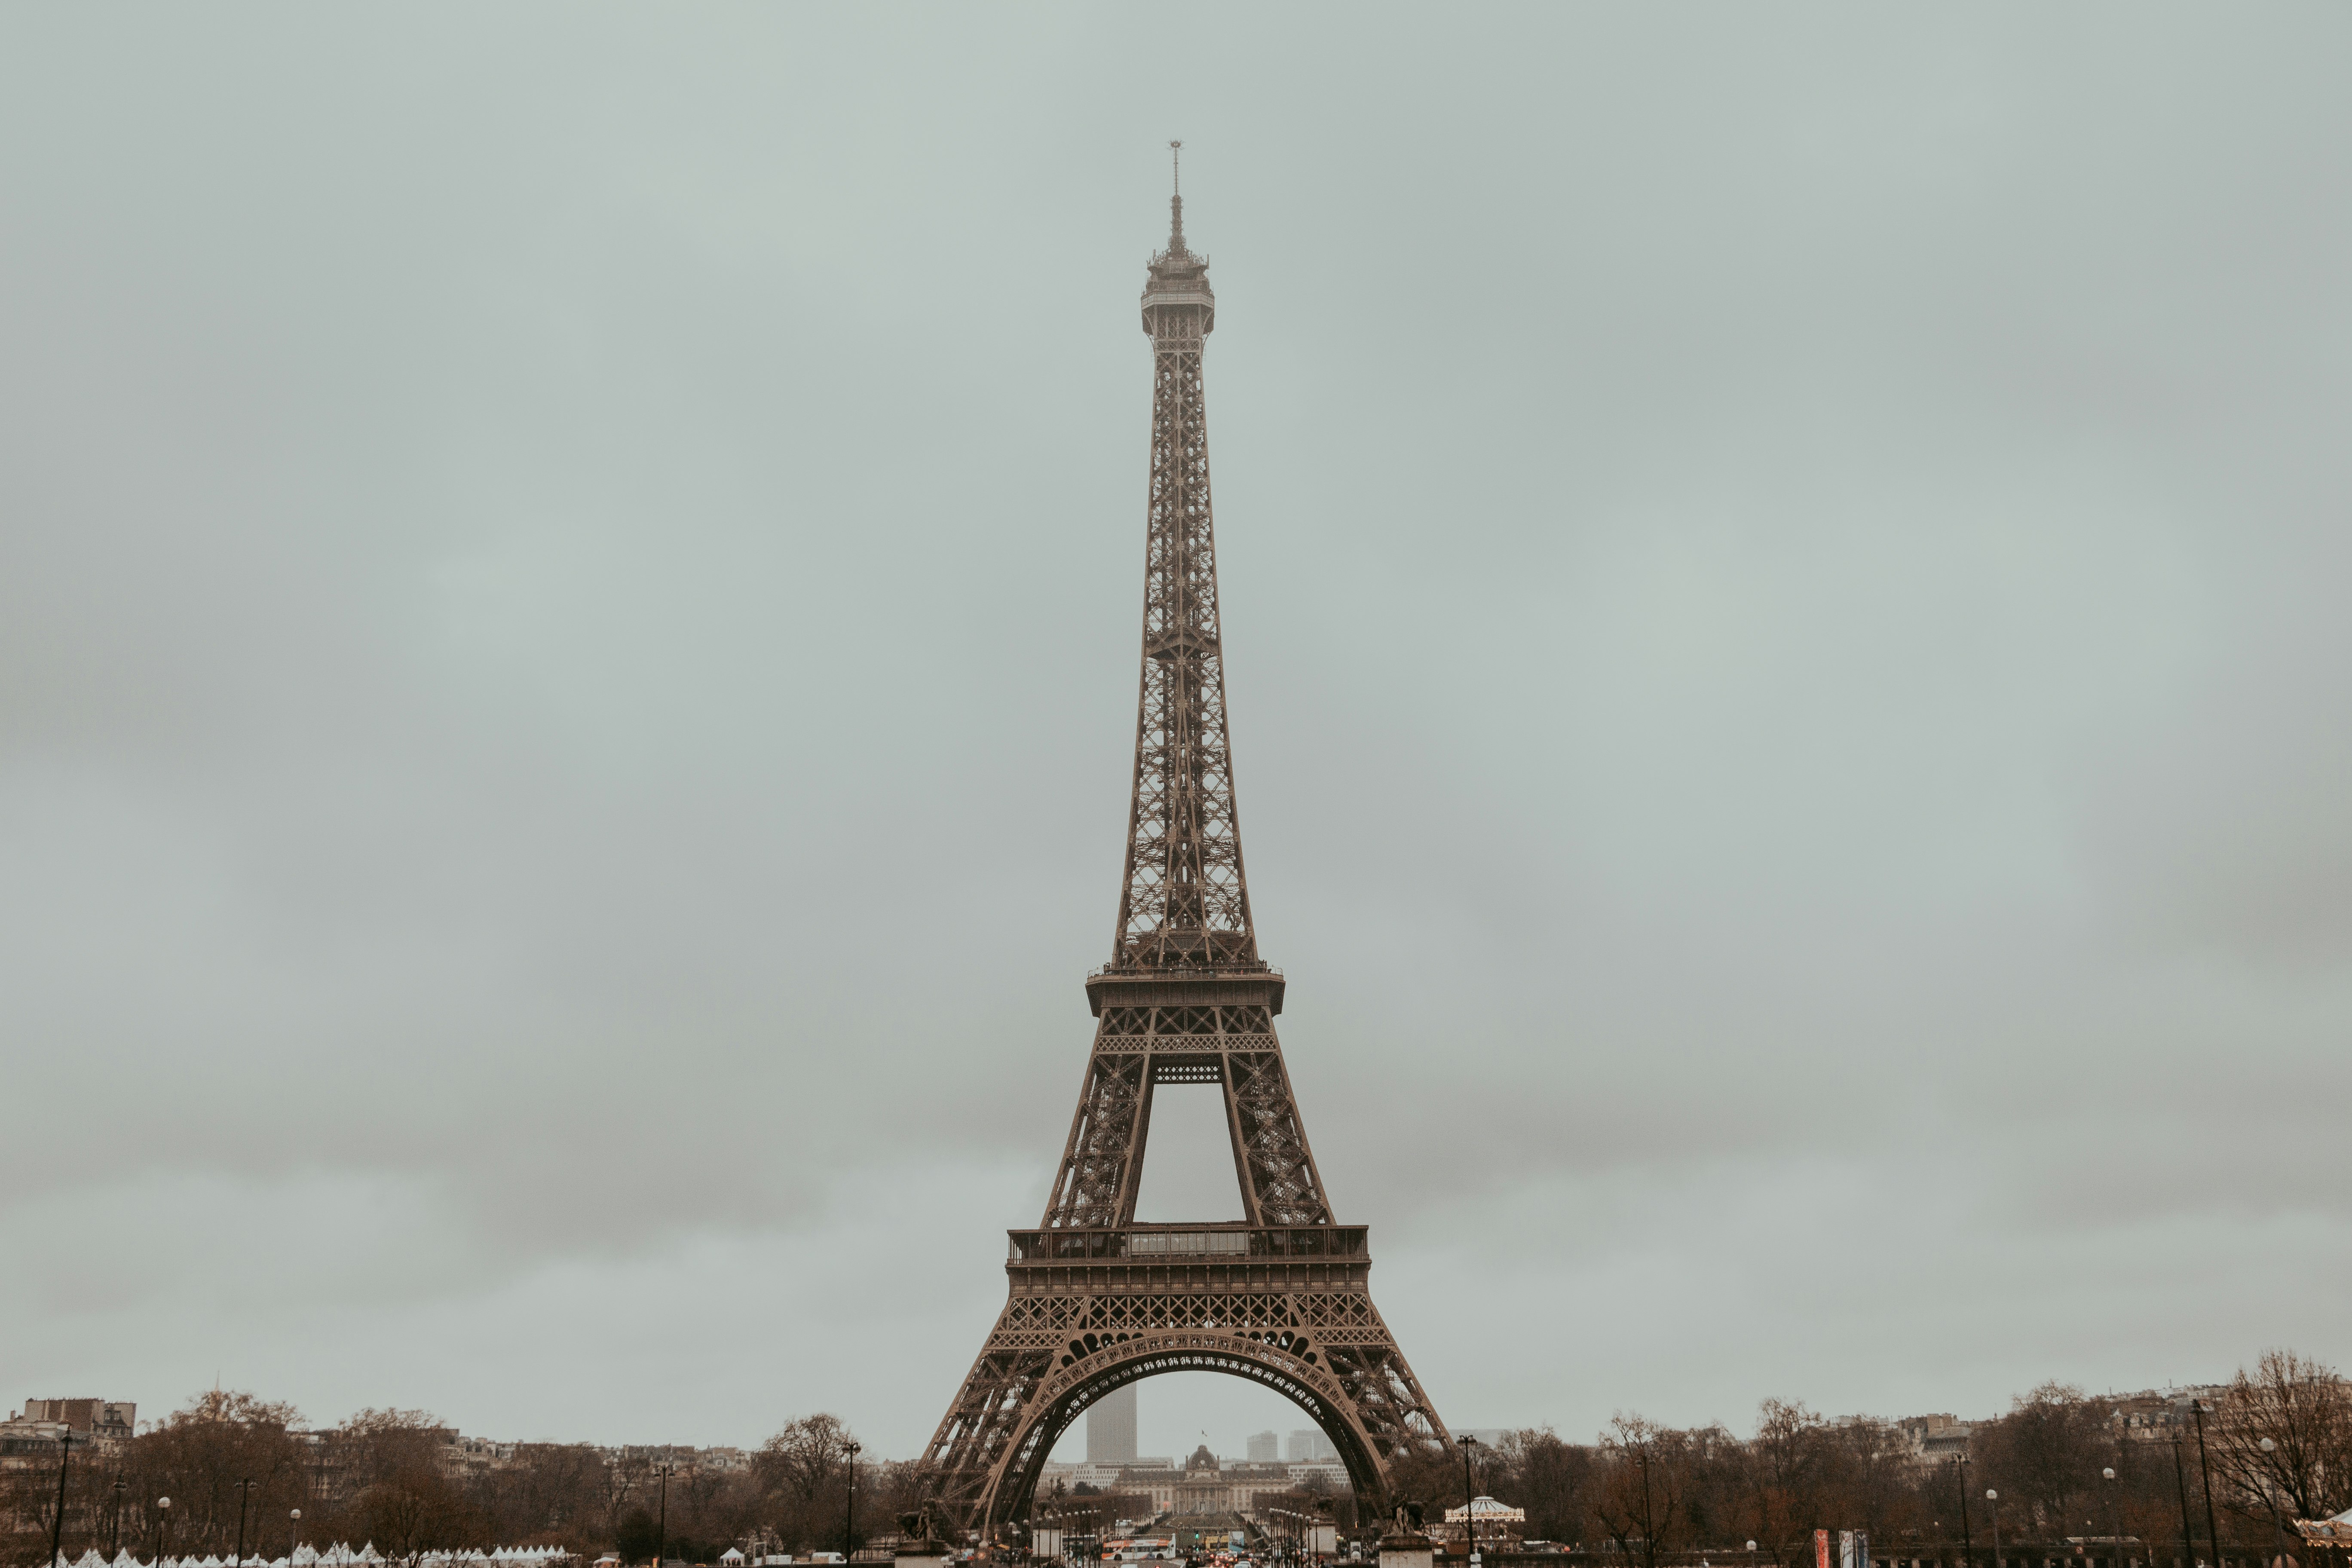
<point>1646,1492</point>
<point>2278,1447</point>
<point>404,1481</point>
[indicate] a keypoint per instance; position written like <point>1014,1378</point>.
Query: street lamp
<point>2196,1407</point>
<point>849,1521</point>
<point>293,1535</point>
<point>163,1528</point>
<point>2277,1523</point>
<point>243,1495</point>
<point>2181,1485</point>
<point>2116,1516</point>
<point>121,1485</point>
<point>661,1524</point>
<point>2123,1447</point>
<point>1967,1547</point>
<point>1469,1522</point>
<point>57,1526</point>
<point>1993,1498</point>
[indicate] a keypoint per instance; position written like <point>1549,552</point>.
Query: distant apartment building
<point>30,1437</point>
<point>89,1417</point>
<point>1095,1478</point>
<point>1265,1447</point>
<point>1305,1446</point>
<point>1937,1439</point>
<point>464,1456</point>
<point>2153,1416</point>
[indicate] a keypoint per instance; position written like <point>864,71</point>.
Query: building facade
<point>1207,1485</point>
<point>1110,1428</point>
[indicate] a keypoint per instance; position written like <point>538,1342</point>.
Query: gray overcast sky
<point>569,587</point>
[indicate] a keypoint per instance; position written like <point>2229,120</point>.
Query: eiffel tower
<point>1098,1301</point>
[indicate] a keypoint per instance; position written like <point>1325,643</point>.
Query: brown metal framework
<point>1097,1300</point>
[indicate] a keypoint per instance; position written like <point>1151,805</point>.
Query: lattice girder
<point>1050,1357</point>
<point>1137,1048</point>
<point>1185,899</point>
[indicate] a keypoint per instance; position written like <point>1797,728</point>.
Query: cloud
<point>567,609</point>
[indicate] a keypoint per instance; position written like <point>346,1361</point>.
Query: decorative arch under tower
<point>1097,1301</point>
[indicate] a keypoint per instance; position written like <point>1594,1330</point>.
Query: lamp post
<point>850,1521</point>
<point>1469,1524</point>
<point>244,1496</point>
<point>1967,1547</point>
<point>64,1463</point>
<point>2181,1485</point>
<point>1993,1502</point>
<point>2115,1515</point>
<point>163,1528</point>
<point>2212,1532</point>
<point>121,1485</point>
<point>2277,1523</point>
<point>661,1524</point>
<point>293,1535</point>
<point>2123,1450</point>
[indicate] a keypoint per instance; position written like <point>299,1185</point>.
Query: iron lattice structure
<point>1097,1300</point>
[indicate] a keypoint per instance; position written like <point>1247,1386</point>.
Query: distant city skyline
<point>1170,1441</point>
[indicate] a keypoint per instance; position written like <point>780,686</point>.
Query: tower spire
<point>1184,905</point>
<point>1176,199</point>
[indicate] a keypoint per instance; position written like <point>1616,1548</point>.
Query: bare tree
<point>1641,1499</point>
<point>1788,1464</point>
<point>802,1474</point>
<point>2304,1410</point>
<point>624,1477</point>
<point>552,1494</point>
<point>1552,1479</point>
<point>376,1444</point>
<point>199,1453</point>
<point>805,1459</point>
<point>1874,1482</point>
<point>2045,1455</point>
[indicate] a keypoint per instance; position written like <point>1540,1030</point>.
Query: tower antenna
<point>1176,199</point>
